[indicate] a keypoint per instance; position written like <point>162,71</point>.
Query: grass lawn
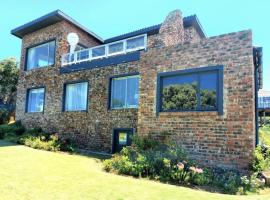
<point>26,173</point>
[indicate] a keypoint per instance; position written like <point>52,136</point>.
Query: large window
<point>191,90</point>
<point>41,55</point>
<point>124,92</point>
<point>76,96</point>
<point>35,101</point>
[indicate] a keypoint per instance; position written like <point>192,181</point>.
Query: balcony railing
<point>111,49</point>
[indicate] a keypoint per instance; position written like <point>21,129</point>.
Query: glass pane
<point>122,138</point>
<point>179,92</point>
<point>99,51</point>
<point>132,92</point>
<point>51,53</point>
<point>35,100</point>
<point>135,42</point>
<point>118,93</point>
<point>40,56</point>
<point>208,91</point>
<point>76,96</point>
<point>116,47</point>
<point>82,55</point>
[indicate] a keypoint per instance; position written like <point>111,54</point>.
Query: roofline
<point>62,16</point>
<point>151,30</point>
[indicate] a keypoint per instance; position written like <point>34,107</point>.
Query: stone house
<point>168,77</point>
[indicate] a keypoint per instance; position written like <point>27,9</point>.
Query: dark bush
<point>4,115</point>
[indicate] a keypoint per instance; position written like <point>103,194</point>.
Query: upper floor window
<point>124,92</point>
<point>40,56</point>
<point>35,100</point>
<point>193,90</point>
<point>76,96</point>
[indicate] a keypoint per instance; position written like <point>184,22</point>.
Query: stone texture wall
<point>226,140</point>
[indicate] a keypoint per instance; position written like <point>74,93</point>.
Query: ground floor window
<point>35,100</point>
<point>124,92</point>
<point>197,89</point>
<point>121,138</point>
<point>75,96</point>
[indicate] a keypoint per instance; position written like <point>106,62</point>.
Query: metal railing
<point>115,48</point>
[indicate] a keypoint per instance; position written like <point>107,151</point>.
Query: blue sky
<point>113,17</point>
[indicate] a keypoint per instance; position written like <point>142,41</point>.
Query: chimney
<point>172,29</point>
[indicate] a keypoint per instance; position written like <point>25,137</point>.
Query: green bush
<point>261,160</point>
<point>40,142</point>
<point>156,160</point>
<point>4,115</point>
<point>167,162</point>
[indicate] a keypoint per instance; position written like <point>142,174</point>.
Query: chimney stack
<point>172,29</point>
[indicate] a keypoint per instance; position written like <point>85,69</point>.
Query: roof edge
<point>56,13</point>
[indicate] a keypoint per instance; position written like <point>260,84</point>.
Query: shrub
<point>4,115</point>
<point>168,162</point>
<point>261,159</point>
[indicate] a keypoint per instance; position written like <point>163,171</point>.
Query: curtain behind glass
<point>76,97</point>
<point>36,100</point>
<point>125,92</point>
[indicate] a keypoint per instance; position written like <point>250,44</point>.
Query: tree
<point>8,81</point>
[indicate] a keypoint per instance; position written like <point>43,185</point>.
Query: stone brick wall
<point>226,140</point>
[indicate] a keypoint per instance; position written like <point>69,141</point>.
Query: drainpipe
<point>257,56</point>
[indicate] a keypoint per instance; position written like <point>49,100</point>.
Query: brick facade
<point>221,140</point>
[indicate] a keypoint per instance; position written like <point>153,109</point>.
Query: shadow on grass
<point>4,143</point>
<point>90,154</point>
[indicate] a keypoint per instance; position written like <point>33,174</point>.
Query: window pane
<point>132,92</point>
<point>208,91</point>
<point>118,97</point>
<point>116,47</point>
<point>51,53</point>
<point>40,56</point>
<point>125,92</point>
<point>99,51</point>
<point>81,55</point>
<point>76,96</point>
<point>135,42</point>
<point>122,138</point>
<point>35,100</point>
<point>179,92</point>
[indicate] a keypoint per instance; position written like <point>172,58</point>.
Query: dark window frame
<point>27,98</point>
<point>35,45</point>
<point>132,130</point>
<point>64,96</point>
<point>110,89</point>
<point>200,70</point>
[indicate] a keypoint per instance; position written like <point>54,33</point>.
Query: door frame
<point>132,130</point>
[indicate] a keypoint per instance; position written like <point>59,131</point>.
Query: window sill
<point>115,109</point>
<point>39,68</point>
<point>188,113</point>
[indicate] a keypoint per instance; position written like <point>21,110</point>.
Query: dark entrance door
<point>121,138</point>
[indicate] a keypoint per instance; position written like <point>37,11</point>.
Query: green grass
<point>26,173</point>
<point>264,135</point>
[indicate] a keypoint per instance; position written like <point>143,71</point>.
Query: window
<point>191,90</point>
<point>76,96</point>
<point>98,52</point>
<point>116,48</point>
<point>122,137</point>
<point>136,43</point>
<point>41,55</point>
<point>124,92</point>
<point>35,100</point>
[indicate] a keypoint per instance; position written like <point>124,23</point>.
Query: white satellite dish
<point>73,40</point>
